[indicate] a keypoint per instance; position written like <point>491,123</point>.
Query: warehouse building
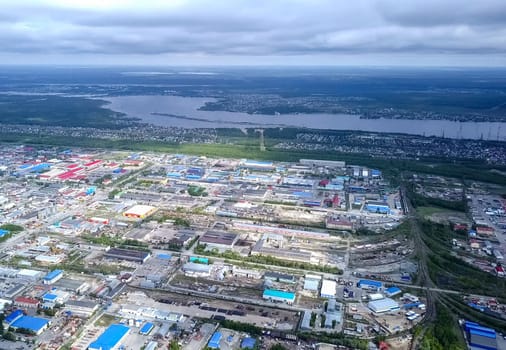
<point>279,277</point>
<point>246,273</point>
<point>13,316</point>
<point>197,270</point>
<point>305,323</point>
<point>139,211</point>
<point>72,285</point>
<point>146,328</point>
<point>279,295</point>
<point>81,307</point>
<point>52,277</point>
<point>281,253</point>
<point>219,240</point>
<point>392,291</point>
<point>312,282</point>
<point>111,338</point>
<point>377,207</point>
<point>127,254</point>
<point>214,342</point>
<point>480,337</point>
<point>31,275</point>
<point>35,324</point>
<point>328,289</point>
<point>323,163</point>
<point>248,343</point>
<point>369,284</point>
<point>383,305</point>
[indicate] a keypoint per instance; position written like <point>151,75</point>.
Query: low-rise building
<point>197,270</point>
<point>53,277</point>
<point>26,302</point>
<point>81,307</point>
<point>328,289</point>
<point>279,296</point>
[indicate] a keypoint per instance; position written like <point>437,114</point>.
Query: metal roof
<point>32,323</point>
<point>214,342</point>
<point>110,338</point>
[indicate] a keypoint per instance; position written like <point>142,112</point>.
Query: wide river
<point>183,112</point>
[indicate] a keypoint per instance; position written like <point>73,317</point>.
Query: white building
<point>328,289</point>
<point>197,270</point>
<point>383,305</point>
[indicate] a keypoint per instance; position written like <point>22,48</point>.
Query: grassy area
<point>444,334</point>
<point>105,320</point>
<point>426,212</point>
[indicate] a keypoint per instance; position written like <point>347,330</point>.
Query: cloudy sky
<point>244,32</point>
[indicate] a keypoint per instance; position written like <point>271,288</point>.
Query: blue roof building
<point>369,284</point>
<point>164,256</point>
<point>146,328</point>
<point>392,291</point>
<point>214,342</point>
<point>111,338</point>
<point>248,343</point>
<point>34,324</point>
<point>52,277</point>
<point>13,316</point>
<point>48,297</point>
<point>3,232</point>
<point>199,260</point>
<point>279,295</point>
<point>480,337</point>
<point>377,208</point>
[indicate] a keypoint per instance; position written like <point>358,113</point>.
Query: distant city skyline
<point>262,32</point>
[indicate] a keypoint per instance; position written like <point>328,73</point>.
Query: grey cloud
<point>261,28</point>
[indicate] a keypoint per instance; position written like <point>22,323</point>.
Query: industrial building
<point>279,277</point>
<point>281,253</point>
<point>369,284</point>
<point>72,285</point>
<point>392,291</point>
<point>246,273</point>
<point>199,260</point>
<point>305,323</point>
<point>219,240</point>
<point>146,328</point>
<point>31,275</point>
<point>312,282</point>
<point>480,337</point>
<point>35,324</point>
<point>52,277</point>
<point>248,343</point>
<point>279,295</point>
<point>13,316</point>
<point>196,270</point>
<point>139,211</point>
<point>127,254</point>
<point>377,207</point>
<point>280,230</point>
<point>81,307</point>
<point>214,342</point>
<point>111,338</point>
<point>383,305</point>
<point>328,289</point>
<point>323,163</point>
